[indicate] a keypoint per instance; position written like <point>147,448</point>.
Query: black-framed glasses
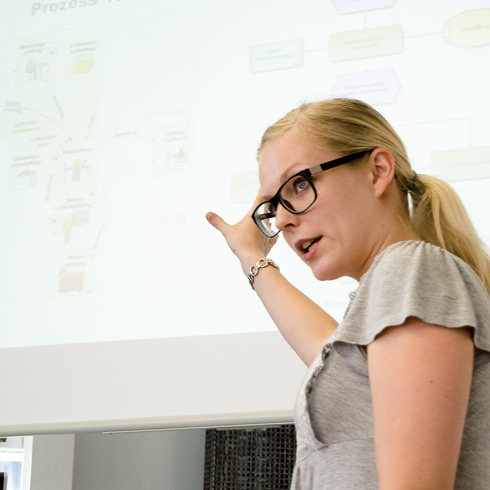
<point>296,195</point>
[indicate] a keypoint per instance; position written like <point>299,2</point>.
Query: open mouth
<point>305,247</point>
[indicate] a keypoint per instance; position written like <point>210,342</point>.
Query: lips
<point>304,246</point>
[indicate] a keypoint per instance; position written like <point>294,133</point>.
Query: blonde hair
<point>348,126</point>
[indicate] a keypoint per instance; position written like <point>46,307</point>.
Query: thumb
<point>217,221</point>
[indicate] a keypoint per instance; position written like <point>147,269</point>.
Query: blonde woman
<point>397,395</point>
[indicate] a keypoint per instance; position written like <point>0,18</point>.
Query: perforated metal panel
<point>257,459</point>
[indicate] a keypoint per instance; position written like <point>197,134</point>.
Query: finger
<point>218,222</point>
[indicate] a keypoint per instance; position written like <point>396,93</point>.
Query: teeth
<point>307,245</point>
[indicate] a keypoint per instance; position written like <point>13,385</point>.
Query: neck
<point>390,232</point>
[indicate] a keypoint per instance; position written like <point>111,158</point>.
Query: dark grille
<point>257,459</point>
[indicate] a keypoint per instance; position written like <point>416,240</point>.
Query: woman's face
<point>335,237</point>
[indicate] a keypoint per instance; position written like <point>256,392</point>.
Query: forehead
<point>287,155</point>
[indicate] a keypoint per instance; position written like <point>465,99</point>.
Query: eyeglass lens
<point>296,196</point>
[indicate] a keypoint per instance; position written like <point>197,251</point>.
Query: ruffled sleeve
<point>417,279</point>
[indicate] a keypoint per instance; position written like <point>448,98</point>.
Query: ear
<point>382,170</point>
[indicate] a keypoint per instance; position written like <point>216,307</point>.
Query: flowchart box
<point>350,6</point>
<point>26,179</point>
<point>462,164</point>
<point>244,186</point>
<point>71,281</point>
<point>372,87</point>
<point>468,29</point>
<point>276,56</point>
<point>366,43</point>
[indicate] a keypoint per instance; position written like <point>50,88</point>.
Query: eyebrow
<point>283,178</point>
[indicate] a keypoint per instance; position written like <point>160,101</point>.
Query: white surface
<point>150,384</point>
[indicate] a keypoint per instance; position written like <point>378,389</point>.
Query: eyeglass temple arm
<point>335,163</point>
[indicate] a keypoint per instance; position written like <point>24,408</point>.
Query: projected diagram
<point>96,144</point>
<point>468,29</point>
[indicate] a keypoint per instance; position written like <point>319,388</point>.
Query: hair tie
<point>411,184</point>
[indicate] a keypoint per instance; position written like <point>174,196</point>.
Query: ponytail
<point>441,219</point>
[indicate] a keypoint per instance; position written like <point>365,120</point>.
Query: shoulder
<point>428,269</point>
<point>415,278</point>
<point>412,257</point>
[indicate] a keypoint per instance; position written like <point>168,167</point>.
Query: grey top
<point>334,416</point>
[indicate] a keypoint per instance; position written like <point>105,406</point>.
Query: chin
<point>326,275</point>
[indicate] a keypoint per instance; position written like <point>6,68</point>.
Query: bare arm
<point>304,325</point>
<point>420,378</point>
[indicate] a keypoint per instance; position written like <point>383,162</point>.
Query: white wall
<point>50,461</point>
<point>140,461</point>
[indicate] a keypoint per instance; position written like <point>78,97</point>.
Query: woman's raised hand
<point>244,238</point>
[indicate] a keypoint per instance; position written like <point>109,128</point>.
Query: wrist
<point>260,264</point>
<point>247,261</point>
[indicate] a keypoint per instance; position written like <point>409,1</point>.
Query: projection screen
<point>123,122</point>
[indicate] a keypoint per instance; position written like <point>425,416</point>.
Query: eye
<point>301,185</point>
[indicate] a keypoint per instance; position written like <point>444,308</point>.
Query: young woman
<point>397,395</point>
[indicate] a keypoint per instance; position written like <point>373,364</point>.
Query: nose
<point>284,219</point>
